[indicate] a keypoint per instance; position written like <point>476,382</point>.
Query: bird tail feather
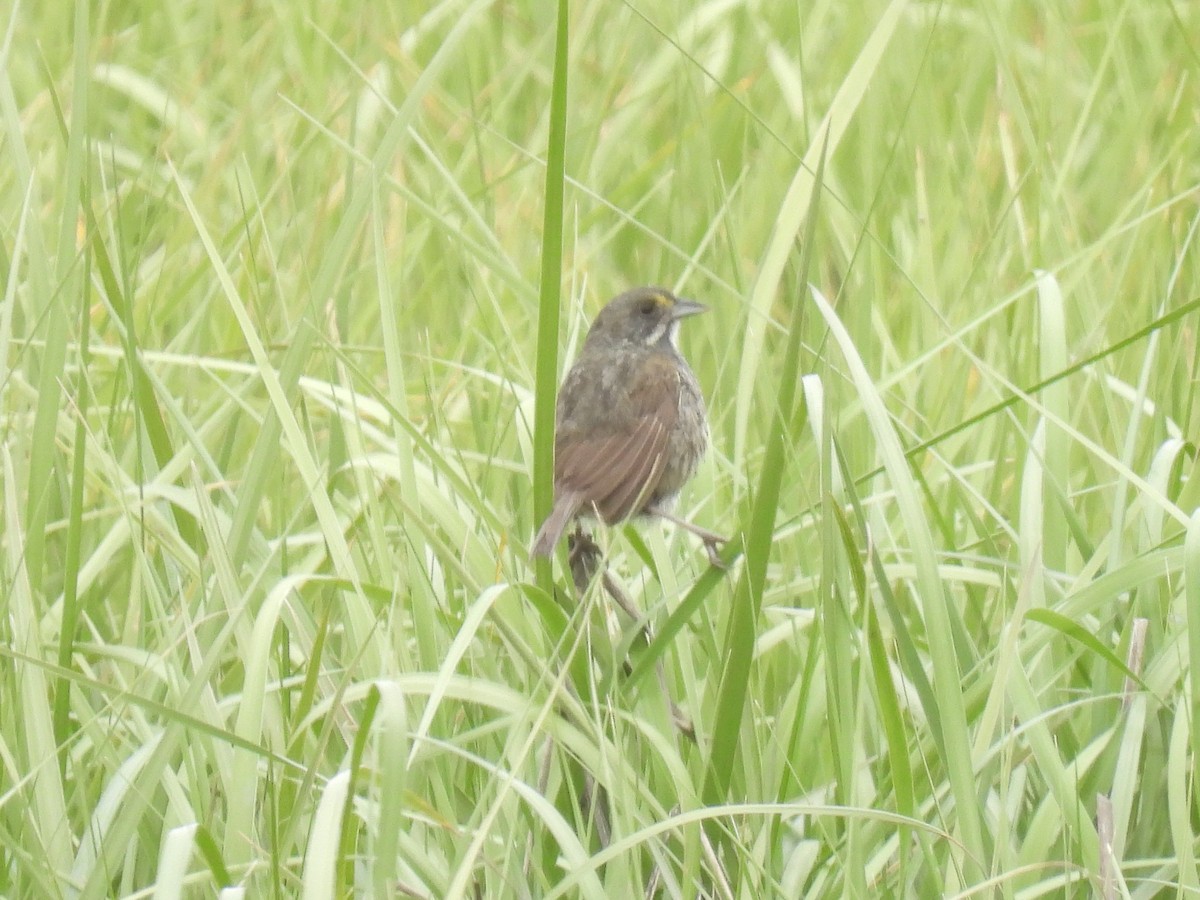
<point>551,531</point>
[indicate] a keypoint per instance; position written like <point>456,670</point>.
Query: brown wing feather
<point>631,494</point>
<point>615,468</point>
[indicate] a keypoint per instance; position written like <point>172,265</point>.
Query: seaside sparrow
<point>630,427</point>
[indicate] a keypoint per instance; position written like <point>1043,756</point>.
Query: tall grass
<point>280,323</point>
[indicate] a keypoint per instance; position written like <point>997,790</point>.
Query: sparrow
<point>630,425</point>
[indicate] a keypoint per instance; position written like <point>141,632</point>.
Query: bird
<point>630,424</point>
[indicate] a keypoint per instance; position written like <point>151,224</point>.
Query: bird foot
<point>710,538</point>
<point>714,557</point>
<point>584,557</point>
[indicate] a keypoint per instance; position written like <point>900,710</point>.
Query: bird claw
<point>714,558</point>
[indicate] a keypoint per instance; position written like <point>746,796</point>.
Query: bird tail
<point>556,523</point>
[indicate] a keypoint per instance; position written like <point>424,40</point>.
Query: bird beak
<point>684,307</point>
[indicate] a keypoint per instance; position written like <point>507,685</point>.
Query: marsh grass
<point>282,313</point>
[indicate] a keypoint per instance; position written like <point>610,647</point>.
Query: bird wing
<point>616,466</point>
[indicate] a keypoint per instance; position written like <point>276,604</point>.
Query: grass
<point>282,310</point>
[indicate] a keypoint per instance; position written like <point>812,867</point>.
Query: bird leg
<point>710,538</point>
<point>585,559</point>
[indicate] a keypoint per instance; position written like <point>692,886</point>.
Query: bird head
<point>646,316</point>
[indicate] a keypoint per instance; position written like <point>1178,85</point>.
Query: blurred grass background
<point>268,343</point>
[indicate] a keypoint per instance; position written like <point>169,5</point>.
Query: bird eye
<point>647,307</point>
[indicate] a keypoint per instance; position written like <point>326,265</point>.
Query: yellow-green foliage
<point>270,289</point>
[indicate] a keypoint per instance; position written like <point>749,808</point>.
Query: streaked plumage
<point>631,425</point>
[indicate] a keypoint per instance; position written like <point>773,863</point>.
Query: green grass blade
<point>796,201</point>
<point>947,680</point>
<point>737,651</point>
<point>1191,581</point>
<point>550,288</point>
